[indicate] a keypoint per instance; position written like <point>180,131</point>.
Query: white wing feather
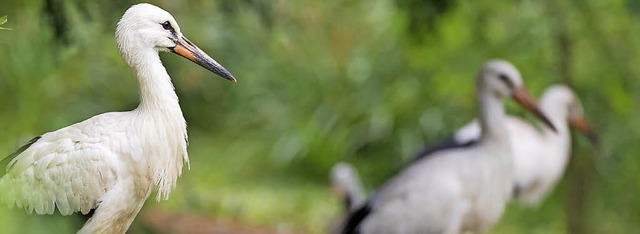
<point>70,169</point>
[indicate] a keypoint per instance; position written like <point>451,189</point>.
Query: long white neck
<point>355,194</point>
<point>492,118</point>
<point>159,156</point>
<point>558,114</point>
<point>161,116</point>
<point>156,89</point>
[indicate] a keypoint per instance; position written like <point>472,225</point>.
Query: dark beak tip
<point>188,50</point>
<point>546,120</point>
<point>553,127</point>
<point>593,138</point>
<point>227,75</point>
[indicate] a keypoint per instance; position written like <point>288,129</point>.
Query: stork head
<point>562,100</point>
<point>145,27</point>
<point>502,79</point>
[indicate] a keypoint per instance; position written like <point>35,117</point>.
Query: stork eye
<point>504,78</point>
<point>166,25</point>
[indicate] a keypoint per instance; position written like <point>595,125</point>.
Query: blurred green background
<point>364,81</point>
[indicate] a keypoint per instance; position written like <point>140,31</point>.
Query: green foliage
<point>327,81</point>
<point>3,20</point>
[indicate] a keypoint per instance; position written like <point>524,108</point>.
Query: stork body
<point>454,189</point>
<point>113,161</point>
<point>540,156</point>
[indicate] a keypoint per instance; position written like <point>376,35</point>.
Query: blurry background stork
<point>346,186</point>
<point>358,81</point>
<point>540,155</point>
<point>347,189</point>
<point>461,188</point>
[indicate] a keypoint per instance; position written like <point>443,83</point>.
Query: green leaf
<point>3,20</point>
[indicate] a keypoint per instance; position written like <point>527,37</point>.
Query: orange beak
<point>338,191</point>
<point>529,103</point>
<point>583,126</point>
<point>188,50</point>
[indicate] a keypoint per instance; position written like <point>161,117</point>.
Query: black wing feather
<point>355,219</point>
<point>6,160</point>
<point>450,143</point>
<point>347,202</point>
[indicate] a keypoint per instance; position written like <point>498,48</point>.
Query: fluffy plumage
<point>540,155</point>
<point>113,161</point>
<point>459,189</point>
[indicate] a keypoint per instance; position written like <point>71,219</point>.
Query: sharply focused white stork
<point>540,156</point>
<point>456,189</point>
<point>112,162</point>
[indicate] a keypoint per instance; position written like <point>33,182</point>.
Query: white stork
<point>456,189</point>
<point>540,156</point>
<point>112,162</point>
<point>346,186</point>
